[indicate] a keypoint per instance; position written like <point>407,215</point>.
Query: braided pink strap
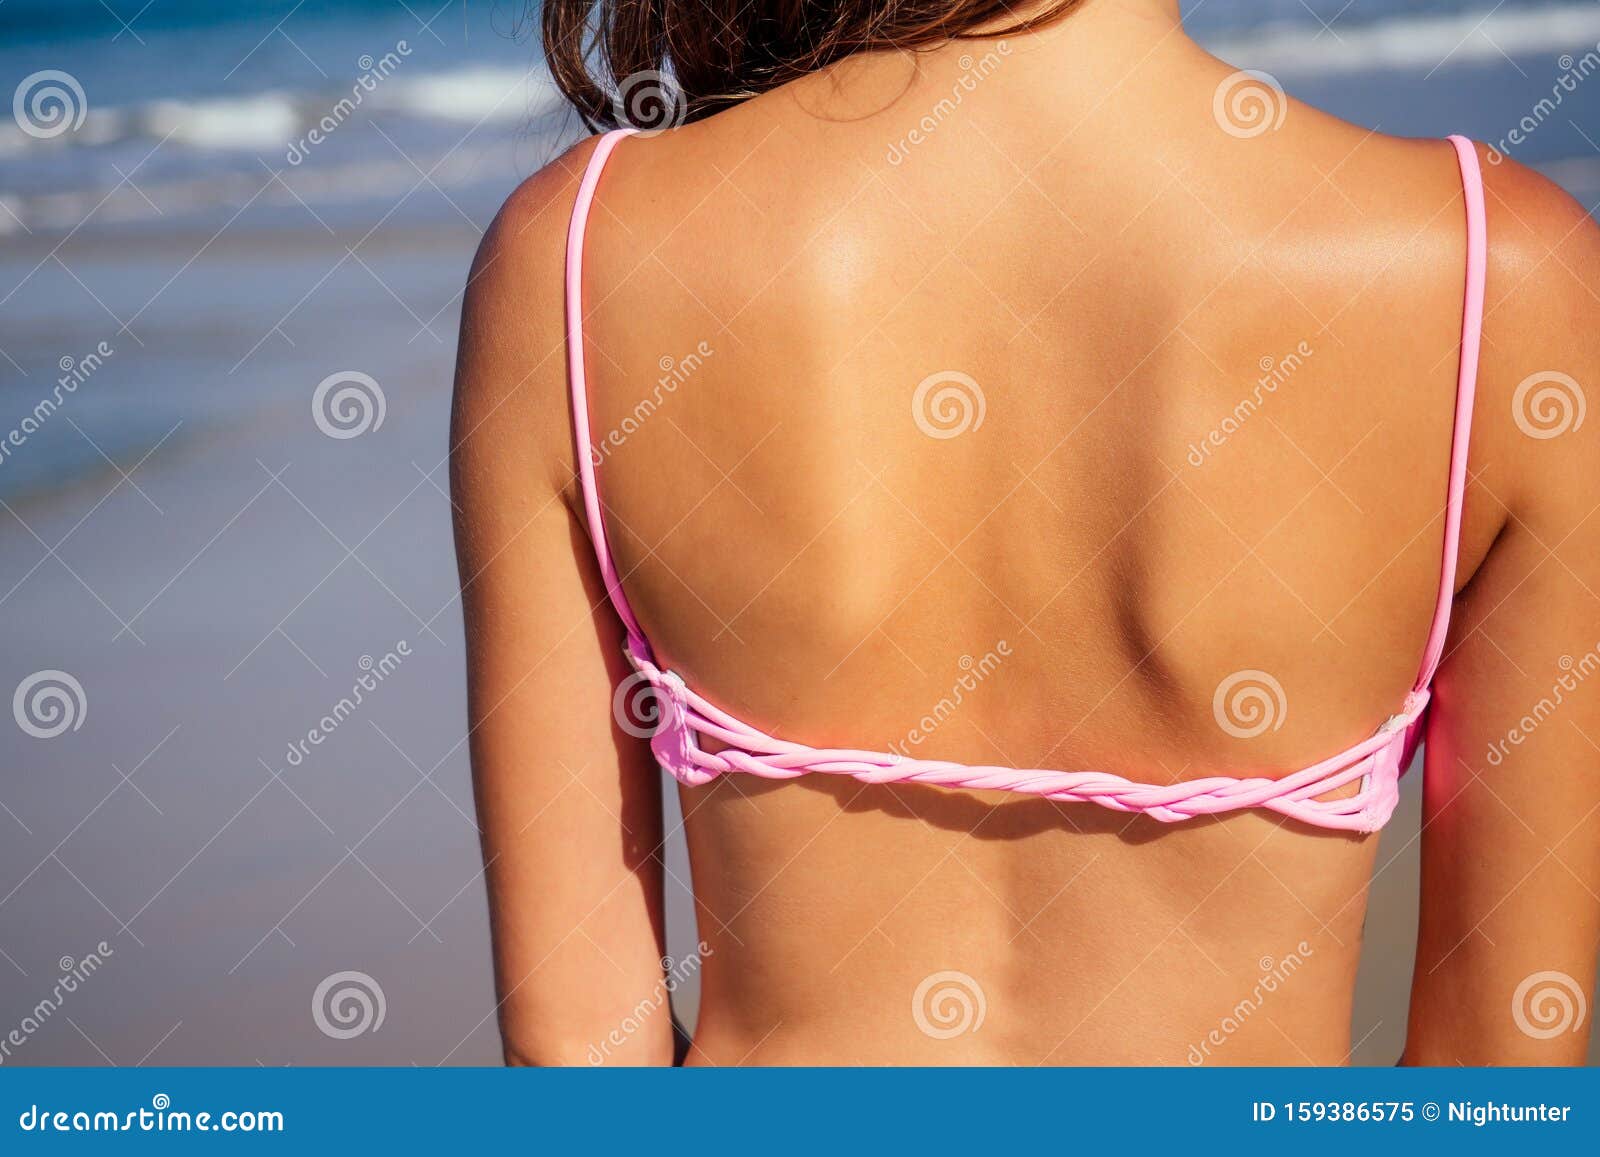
<point>681,717</point>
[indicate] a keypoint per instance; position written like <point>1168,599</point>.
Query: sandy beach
<point>219,589</point>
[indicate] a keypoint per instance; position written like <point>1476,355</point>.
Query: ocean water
<point>225,90</point>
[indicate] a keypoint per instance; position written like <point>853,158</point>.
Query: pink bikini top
<point>682,716</point>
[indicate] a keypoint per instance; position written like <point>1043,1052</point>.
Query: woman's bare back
<point>1032,437</point>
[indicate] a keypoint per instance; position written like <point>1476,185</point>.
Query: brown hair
<point>666,61</point>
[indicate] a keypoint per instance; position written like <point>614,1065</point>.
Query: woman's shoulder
<point>1544,245</point>
<point>1540,364</point>
<point>520,259</point>
<point>1538,370</point>
<point>510,385</point>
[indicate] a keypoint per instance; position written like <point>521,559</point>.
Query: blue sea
<point>228,88</point>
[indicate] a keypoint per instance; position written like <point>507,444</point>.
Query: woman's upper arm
<point>1510,912</point>
<point>569,805</point>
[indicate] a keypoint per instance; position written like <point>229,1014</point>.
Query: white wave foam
<point>471,95</point>
<point>262,121</point>
<point>1417,42</point>
<point>271,120</point>
<point>332,184</point>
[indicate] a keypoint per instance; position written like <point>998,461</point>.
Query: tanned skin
<point>1081,236</point>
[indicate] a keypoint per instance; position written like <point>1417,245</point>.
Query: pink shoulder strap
<point>583,447</point>
<point>1466,388</point>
